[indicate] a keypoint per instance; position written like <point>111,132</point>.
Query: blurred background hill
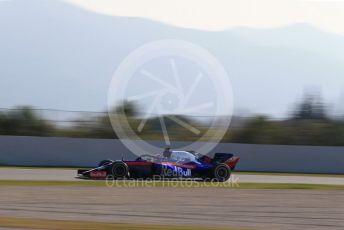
<point>59,56</point>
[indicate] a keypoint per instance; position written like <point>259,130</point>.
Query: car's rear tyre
<point>119,170</point>
<point>221,172</point>
<point>104,162</point>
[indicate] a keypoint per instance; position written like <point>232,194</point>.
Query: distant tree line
<point>308,124</point>
<point>23,121</point>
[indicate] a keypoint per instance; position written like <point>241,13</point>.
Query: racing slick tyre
<point>104,162</point>
<point>119,170</point>
<point>221,172</point>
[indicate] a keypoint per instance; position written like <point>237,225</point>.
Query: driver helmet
<point>167,152</point>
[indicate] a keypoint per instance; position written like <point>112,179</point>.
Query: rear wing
<point>222,157</point>
<point>227,158</point>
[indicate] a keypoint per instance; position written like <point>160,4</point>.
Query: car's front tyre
<point>119,170</point>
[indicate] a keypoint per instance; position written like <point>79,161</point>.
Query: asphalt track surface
<point>223,207</point>
<point>69,175</point>
<point>257,209</point>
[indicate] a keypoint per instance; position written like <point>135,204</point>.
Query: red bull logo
<point>175,171</point>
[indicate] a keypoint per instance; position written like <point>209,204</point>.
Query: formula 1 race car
<point>174,164</point>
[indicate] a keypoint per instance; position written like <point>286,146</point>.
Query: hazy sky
<point>276,52</point>
<point>223,14</point>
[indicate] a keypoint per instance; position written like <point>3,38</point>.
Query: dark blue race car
<point>173,164</point>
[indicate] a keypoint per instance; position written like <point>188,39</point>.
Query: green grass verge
<point>289,186</point>
<point>11,222</point>
<point>170,184</point>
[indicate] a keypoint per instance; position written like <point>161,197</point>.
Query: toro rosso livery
<point>171,164</point>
